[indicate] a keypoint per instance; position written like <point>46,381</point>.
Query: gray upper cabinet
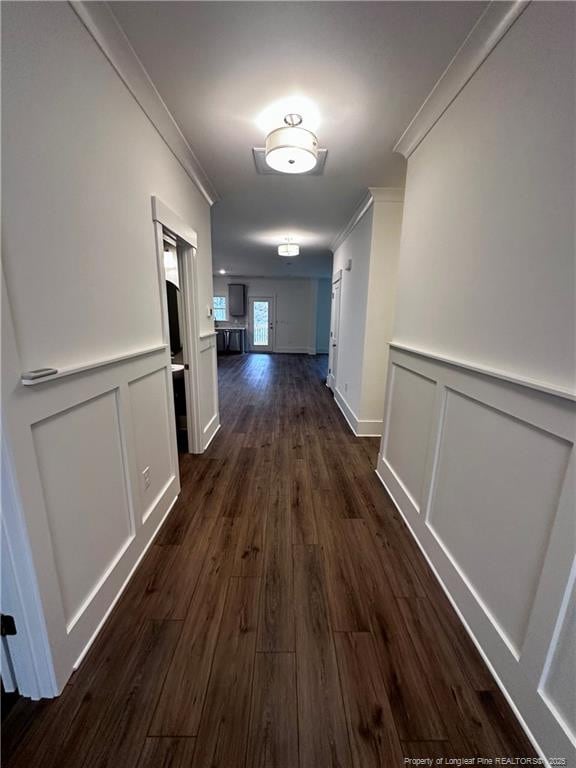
<point>237,299</point>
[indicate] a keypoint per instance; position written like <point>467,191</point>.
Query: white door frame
<point>334,322</point>
<point>187,246</point>
<point>271,327</point>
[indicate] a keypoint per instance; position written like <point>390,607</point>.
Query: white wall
<point>483,469</point>
<point>487,269</point>
<point>381,302</point>
<point>81,162</point>
<point>353,302</point>
<point>367,310</point>
<point>295,300</point>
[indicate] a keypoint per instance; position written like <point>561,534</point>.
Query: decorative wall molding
<point>77,420</point>
<point>490,502</point>
<point>164,215</point>
<point>208,383</point>
<point>124,585</point>
<point>362,208</point>
<point>72,370</point>
<point>360,427</point>
<point>513,378</point>
<point>32,669</point>
<point>101,23</point>
<point>387,194</point>
<point>481,41</point>
<point>375,194</point>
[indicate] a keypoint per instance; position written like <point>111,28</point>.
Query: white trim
<point>30,653</point>
<point>387,194</point>
<point>519,656</point>
<point>102,25</point>
<point>207,334</point>
<point>212,436</point>
<point>360,427</point>
<point>513,378</point>
<point>127,580</point>
<point>375,194</point>
<point>479,44</point>
<point>364,206</point>
<point>465,625</point>
<point>164,215</point>
<point>210,424</point>
<point>292,350</point>
<point>74,369</point>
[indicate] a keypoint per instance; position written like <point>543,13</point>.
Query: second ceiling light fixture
<point>288,248</point>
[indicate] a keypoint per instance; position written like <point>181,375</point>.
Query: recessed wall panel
<point>81,466</point>
<point>498,484</point>
<point>410,420</point>
<point>150,424</point>
<point>207,386</point>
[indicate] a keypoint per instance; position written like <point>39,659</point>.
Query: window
<point>219,307</point>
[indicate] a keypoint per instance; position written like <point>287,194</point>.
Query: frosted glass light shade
<point>288,249</point>
<point>291,149</point>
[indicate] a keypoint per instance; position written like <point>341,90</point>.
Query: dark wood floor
<point>284,617</point>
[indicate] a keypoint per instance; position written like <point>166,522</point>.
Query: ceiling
<point>356,71</point>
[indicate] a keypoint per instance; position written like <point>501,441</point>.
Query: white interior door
<point>261,323</point>
<point>334,333</point>
<point>186,264</point>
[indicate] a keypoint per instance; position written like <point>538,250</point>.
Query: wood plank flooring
<point>284,617</point>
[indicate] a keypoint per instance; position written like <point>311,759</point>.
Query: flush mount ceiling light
<point>288,249</point>
<point>291,148</point>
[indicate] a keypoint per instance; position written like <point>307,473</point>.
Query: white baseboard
<point>295,350</point>
<point>125,584</point>
<point>465,624</point>
<point>360,427</point>
<point>213,435</point>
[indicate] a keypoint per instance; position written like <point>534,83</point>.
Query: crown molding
<point>375,195</point>
<point>356,216</point>
<point>387,194</point>
<point>102,25</point>
<point>481,41</point>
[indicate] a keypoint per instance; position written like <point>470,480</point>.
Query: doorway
<point>261,323</point>
<point>334,331</point>
<point>176,248</point>
<point>179,355</point>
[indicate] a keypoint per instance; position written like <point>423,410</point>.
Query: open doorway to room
<point>176,330</point>
<point>176,246</point>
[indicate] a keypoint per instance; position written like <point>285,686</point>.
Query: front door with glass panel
<point>262,324</point>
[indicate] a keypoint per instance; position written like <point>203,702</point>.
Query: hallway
<point>283,616</point>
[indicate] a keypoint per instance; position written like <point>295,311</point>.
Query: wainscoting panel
<point>85,439</point>
<point>208,383</point>
<point>482,470</point>
<point>500,466</point>
<point>85,486</point>
<point>408,420</point>
<point>155,470</point>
